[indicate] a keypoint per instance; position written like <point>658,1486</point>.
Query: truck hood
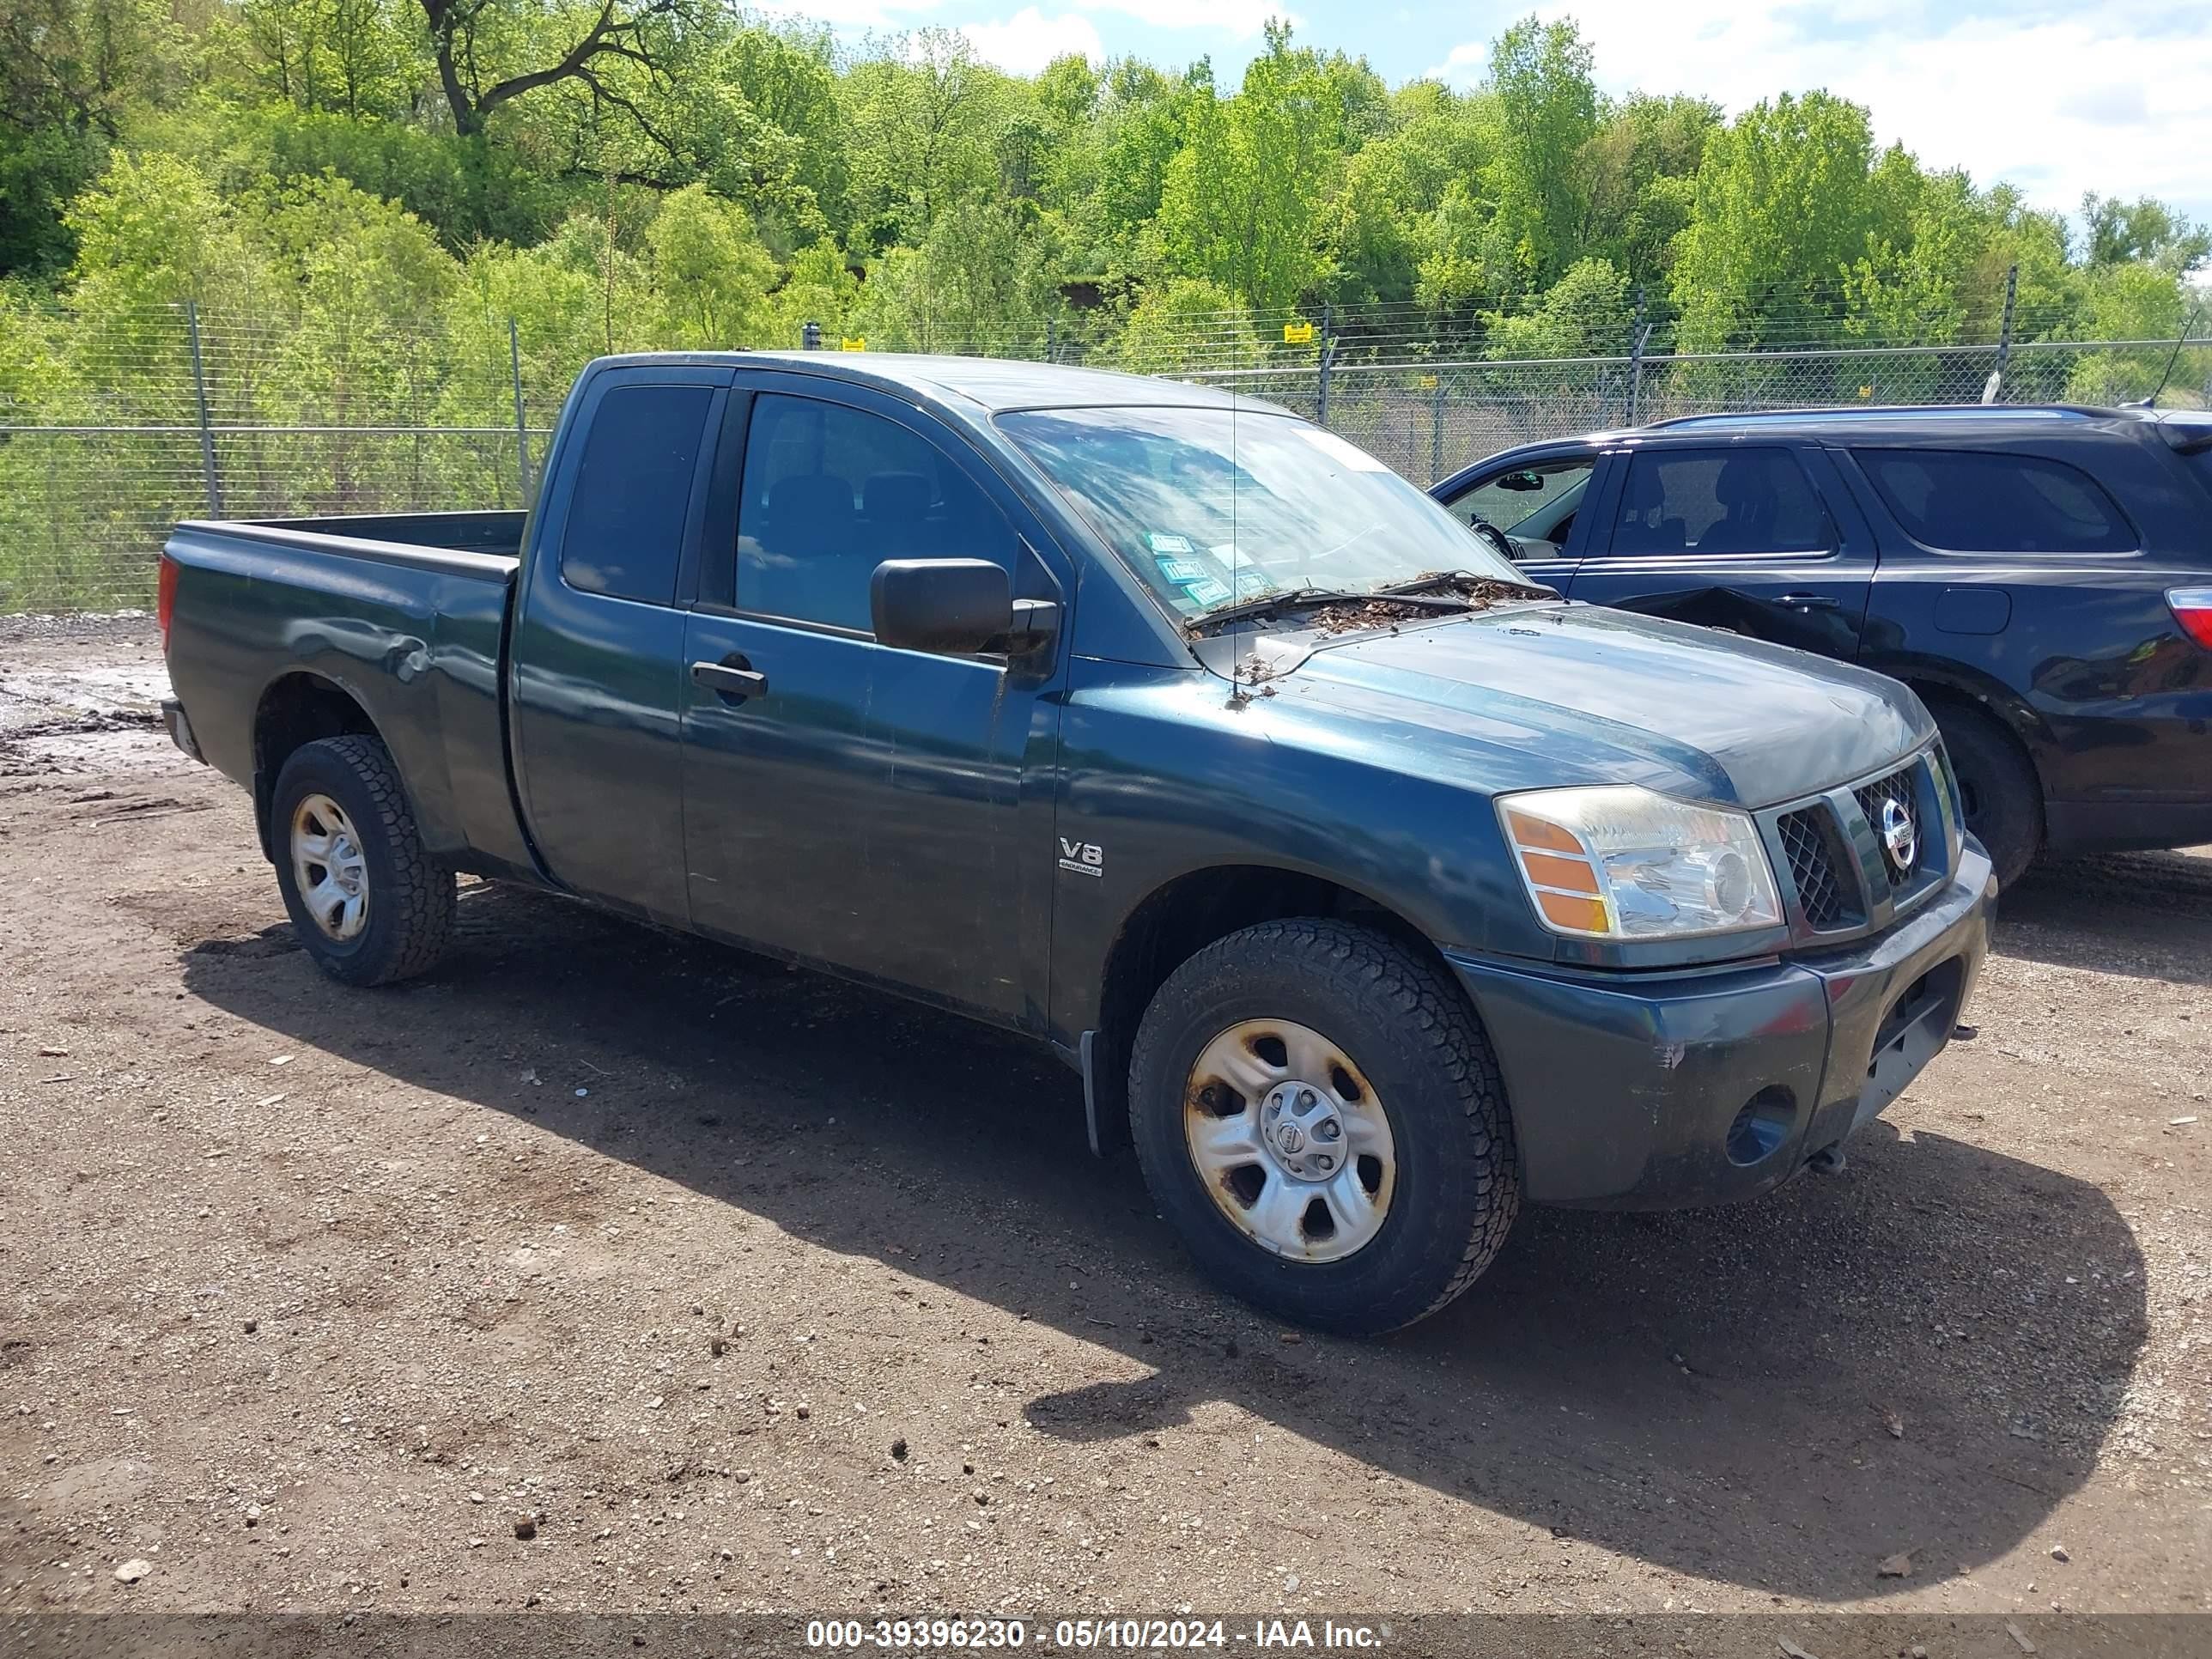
<point>1596,695</point>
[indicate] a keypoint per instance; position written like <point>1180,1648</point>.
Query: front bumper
<point>1667,1090</point>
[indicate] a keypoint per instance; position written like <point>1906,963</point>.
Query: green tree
<point>1548,110</point>
<point>72,72</point>
<point>710,274</point>
<point>1238,204</point>
<point>1586,313</point>
<point>1780,213</point>
<point>1189,323</point>
<point>923,112</point>
<point>2142,231</point>
<point>979,283</point>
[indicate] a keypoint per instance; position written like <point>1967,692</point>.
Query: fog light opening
<point>1761,1127</point>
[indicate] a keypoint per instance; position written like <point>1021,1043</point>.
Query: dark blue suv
<point>2041,576</point>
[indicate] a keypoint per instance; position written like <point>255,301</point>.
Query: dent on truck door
<point>599,639</point>
<point>846,802</point>
<point>1735,536</point>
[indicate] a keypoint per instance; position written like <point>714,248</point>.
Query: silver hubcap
<point>329,867</point>
<point>1291,1139</point>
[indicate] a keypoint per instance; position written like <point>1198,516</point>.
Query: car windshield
<point>1214,506</point>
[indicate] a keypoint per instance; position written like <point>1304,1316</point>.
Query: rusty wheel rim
<point>1290,1140</point>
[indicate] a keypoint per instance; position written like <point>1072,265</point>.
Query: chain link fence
<point>113,429</point>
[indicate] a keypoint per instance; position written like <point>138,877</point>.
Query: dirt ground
<point>736,1287</point>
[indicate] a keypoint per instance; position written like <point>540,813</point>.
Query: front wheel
<point>1319,1115</point>
<point>367,900</point>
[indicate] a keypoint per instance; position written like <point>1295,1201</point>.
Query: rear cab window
<point>624,536</point>
<point>1962,501</point>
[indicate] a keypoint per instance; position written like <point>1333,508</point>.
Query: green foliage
<point>1161,329</point>
<point>1547,113</point>
<point>620,173</point>
<point>1781,210</point>
<point>1587,312</point>
<point>976,283</point>
<point>710,274</point>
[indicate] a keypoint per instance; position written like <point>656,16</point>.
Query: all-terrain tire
<point>1412,1035</point>
<point>1998,785</point>
<point>409,919</point>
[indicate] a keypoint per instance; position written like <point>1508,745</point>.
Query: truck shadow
<point>1926,1353</point>
<point>2142,914</point>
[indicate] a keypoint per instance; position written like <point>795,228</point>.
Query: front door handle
<point>1811,601</point>
<point>732,677</point>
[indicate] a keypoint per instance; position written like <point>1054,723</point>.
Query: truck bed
<point>404,613</point>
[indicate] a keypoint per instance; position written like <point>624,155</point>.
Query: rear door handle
<point>730,678</point>
<point>1811,601</point>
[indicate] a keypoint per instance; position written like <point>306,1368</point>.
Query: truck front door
<point>878,809</point>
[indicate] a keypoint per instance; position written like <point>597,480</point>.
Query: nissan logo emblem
<point>1899,838</point>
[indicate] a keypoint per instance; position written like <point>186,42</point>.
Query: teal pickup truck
<point>1373,891</point>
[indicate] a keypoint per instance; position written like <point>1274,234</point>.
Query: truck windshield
<point>1212,507</point>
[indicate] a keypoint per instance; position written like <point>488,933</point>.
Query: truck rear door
<point>845,801</point>
<point>597,649</point>
<point>1759,539</point>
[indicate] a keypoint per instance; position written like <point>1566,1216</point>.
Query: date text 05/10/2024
<point>1124,1633</point>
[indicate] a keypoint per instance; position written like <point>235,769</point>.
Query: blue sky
<point>2059,98</point>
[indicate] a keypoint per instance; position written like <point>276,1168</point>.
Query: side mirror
<point>1521,481</point>
<point>950,605</point>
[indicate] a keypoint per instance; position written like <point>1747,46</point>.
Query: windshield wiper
<point>1269,605</point>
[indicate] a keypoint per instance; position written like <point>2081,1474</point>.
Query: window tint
<point>830,492</point>
<point>1719,500</point>
<point>633,490</point>
<point>1535,504</point>
<point>1994,503</point>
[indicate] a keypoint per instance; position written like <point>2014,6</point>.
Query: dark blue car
<point>2041,576</point>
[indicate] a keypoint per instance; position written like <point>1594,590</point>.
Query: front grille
<point>1900,787</point>
<point>1810,844</point>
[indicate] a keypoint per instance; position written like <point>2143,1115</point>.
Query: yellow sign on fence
<point>1297,333</point>
<point>860,345</point>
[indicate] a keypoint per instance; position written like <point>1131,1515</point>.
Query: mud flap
<point>1107,1137</point>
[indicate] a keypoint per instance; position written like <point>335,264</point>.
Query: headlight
<point>1620,862</point>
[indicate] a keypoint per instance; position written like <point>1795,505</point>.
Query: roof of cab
<point>995,384</point>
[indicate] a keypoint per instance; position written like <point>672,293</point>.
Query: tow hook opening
<point>1761,1126</point>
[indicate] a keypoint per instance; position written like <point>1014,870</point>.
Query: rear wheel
<point>367,900</point>
<point>1997,787</point>
<point>1318,1115</point>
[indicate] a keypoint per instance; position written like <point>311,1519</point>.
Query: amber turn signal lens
<point>1538,836</point>
<point>1582,916</point>
<point>1547,870</point>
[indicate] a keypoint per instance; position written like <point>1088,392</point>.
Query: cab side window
<point>624,536</point>
<point>829,493</point>
<point>1719,500</point>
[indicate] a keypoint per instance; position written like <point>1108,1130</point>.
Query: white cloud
<point>1027,41</point>
<point>2108,97</point>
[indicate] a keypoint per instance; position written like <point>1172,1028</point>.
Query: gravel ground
<point>605,1270</point>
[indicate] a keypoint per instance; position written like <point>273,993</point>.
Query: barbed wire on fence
<point>114,427</point>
